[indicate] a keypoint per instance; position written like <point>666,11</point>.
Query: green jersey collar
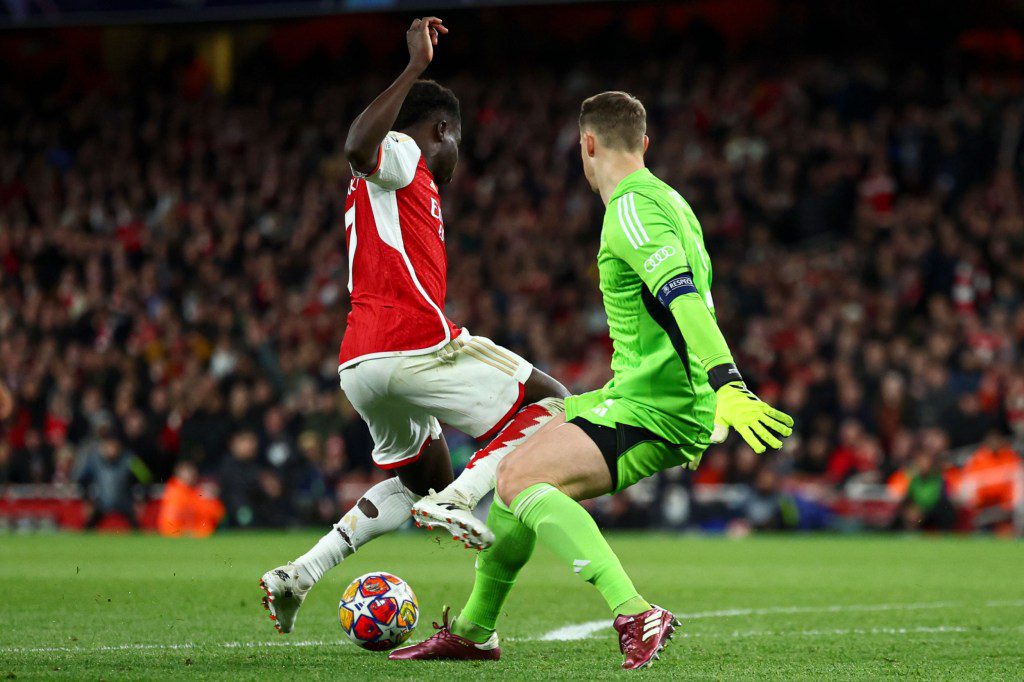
<point>629,182</point>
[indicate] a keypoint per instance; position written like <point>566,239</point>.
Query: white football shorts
<point>471,384</point>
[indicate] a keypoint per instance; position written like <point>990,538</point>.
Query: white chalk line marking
<point>168,647</point>
<point>587,630</point>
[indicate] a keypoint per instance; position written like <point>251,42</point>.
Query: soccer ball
<point>378,611</point>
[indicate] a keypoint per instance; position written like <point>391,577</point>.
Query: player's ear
<point>647,143</point>
<point>590,144</point>
<point>440,129</point>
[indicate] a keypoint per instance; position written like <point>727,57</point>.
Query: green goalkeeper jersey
<point>650,236</point>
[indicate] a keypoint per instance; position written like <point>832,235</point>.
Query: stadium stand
<point>172,275</point>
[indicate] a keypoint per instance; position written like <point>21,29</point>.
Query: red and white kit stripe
<point>397,261</point>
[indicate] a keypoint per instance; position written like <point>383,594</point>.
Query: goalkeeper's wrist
<point>723,374</point>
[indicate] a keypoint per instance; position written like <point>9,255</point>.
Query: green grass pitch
<point>141,607</point>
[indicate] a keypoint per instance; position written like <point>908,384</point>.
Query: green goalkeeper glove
<point>750,416</point>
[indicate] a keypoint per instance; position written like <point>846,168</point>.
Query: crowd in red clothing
<point>172,275</point>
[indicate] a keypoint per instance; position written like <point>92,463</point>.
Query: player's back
<point>394,232</point>
<point>649,236</point>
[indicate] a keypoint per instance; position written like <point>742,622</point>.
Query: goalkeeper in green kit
<point>675,390</point>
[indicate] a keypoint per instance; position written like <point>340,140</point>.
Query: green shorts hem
<point>638,458</point>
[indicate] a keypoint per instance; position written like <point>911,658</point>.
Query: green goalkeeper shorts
<point>631,452</point>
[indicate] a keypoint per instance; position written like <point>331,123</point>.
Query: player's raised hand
<point>760,424</point>
<point>421,38</point>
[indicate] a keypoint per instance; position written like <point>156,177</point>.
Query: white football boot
<point>450,510</point>
<point>285,589</point>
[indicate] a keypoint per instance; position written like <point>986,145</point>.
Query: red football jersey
<point>397,265</point>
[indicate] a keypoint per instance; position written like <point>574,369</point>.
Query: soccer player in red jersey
<point>403,364</point>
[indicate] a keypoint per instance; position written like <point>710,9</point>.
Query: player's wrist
<point>416,67</point>
<point>723,374</point>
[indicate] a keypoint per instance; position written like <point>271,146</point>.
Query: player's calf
<point>451,509</point>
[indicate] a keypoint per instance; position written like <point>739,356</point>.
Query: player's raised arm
<point>370,127</point>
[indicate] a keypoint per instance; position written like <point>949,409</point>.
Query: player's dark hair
<point>617,118</point>
<point>425,98</point>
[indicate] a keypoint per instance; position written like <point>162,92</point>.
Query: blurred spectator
<point>926,505</point>
<point>240,484</point>
<point>6,402</point>
<point>991,483</point>
<point>107,476</point>
<point>188,507</point>
<point>172,267</point>
<point>273,508</point>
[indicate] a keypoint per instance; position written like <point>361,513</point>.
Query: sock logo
<point>579,565</point>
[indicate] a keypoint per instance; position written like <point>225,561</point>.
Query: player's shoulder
<point>400,142</point>
<point>640,204</point>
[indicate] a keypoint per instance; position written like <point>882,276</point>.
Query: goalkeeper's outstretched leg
<point>538,488</point>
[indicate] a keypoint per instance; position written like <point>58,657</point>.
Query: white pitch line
<point>586,630</point>
<point>837,632</point>
<point>168,647</point>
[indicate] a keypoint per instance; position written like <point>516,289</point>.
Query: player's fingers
<point>755,444</point>
<point>415,24</point>
<point>776,426</point>
<point>433,37</point>
<point>779,415</point>
<point>766,435</point>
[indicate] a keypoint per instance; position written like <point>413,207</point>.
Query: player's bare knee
<point>509,480</point>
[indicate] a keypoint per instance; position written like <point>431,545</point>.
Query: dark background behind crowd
<point>172,273</point>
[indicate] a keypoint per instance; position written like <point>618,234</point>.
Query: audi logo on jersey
<point>435,210</point>
<point>658,257</point>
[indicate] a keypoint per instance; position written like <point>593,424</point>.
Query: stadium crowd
<point>172,274</point>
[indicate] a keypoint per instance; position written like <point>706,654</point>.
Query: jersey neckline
<point>626,182</point>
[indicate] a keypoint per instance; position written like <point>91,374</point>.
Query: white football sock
<point>479,476</point>
<point>382,509</point>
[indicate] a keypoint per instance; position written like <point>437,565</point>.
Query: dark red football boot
<point>643,636</point>
<point>444,645</point>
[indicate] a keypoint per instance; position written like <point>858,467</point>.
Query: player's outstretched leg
<point>383,508</point>
<point>452,508</point>
<point>543,481</point>
<point>569,530</point>
<point>472,636</point>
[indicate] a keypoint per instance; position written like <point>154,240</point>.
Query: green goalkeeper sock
<point>496,571</point>
<point>571,533</point>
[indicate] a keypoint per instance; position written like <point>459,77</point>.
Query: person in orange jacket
<point>993,476</point>
<point>188,509</point>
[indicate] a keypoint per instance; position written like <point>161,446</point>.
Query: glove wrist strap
<point>723,374</point>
